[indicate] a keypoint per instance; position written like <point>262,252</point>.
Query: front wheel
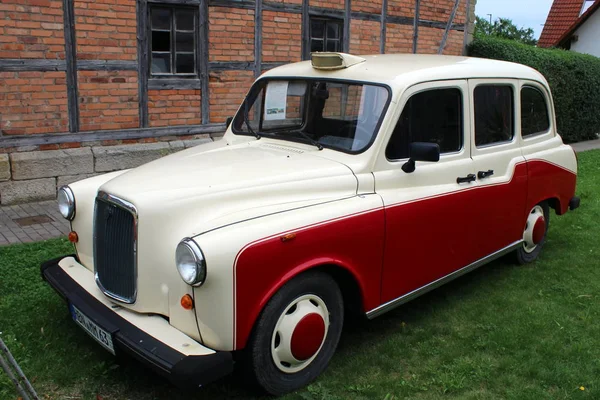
<point>296,333</point>
<point>534,234</point>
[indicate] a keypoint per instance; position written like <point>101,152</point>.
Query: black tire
<point>522,257</point>
<point>259,358</point>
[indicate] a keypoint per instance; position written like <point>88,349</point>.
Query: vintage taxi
<point>344,184</point>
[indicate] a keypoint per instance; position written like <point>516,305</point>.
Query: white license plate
<point>101,336</point>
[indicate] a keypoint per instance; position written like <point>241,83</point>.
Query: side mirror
<point>421,151</point>
<point>228,122</point>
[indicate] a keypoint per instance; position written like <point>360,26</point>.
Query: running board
<point>435,284</point>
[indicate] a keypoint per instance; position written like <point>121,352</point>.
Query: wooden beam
<point>26,64</point>
<point>71,64</point>
<point>305,30</point>
<point>143,60</point>
<point>347,17</point>
<point>283,7</point>
<point>326,12</point>
<point>416,26</point>
<point>383,33</point>
<point>176,2</point>
<point>204,70</point>
<point>258,38</point>
<point>448,27</point>
<point>231,65</point>
<point>174,84</point>
<point>247,4</point>
<point>91,136</point>
<point>106,65</point>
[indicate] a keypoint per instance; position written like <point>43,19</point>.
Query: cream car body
<point>265,211</point>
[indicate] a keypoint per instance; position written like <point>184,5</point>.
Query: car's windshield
<point>334,114</point>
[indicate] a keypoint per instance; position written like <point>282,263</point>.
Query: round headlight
<point>66,202</point>
<point>190,262</point>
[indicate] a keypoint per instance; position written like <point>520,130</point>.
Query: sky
<point>524,13</point>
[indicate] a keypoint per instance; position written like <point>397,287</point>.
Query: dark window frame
<point>513,108</point>
<point>548,110</point>
<point>462,122</point>
<point>173,8</point>
<point>327,21</point>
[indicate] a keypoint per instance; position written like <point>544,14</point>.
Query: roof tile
<point>563,14</point>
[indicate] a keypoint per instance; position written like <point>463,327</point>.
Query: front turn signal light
<point>187,302</point>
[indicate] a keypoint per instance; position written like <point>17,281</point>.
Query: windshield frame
<point>258,85</point>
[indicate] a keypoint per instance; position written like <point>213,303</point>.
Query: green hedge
<point>574,79</point>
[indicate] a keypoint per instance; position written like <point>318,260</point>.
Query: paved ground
<point>39,221</point>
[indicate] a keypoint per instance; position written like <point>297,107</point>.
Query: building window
<point>325,34</point>
<point>433,116</point>
<point>494,114</point>
<point>174,32</point>
<point>534,112</point>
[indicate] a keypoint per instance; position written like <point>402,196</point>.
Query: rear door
<point>498,216</point>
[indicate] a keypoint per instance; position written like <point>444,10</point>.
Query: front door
<point>428,212</point>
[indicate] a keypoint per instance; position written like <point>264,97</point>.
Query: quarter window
<point>534,112</point>
<point>434,116</point>
<point>325,35</point>
<point>173,41</point>
<point>494,114</point>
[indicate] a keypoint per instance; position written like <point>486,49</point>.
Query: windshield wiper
<point>247,121</point>
<point>311,140</point>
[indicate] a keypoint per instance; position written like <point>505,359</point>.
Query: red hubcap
<point>539,229</point>
<point>308,336</point>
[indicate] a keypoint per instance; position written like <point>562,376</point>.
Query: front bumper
<point>181,369</point>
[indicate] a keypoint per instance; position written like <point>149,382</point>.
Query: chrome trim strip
<point>71,199</point>
<point>377,311</point>
<point>127,206</point>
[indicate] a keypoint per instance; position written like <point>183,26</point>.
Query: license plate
<point>92,328</point>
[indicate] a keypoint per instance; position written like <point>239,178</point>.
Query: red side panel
<point>354,242</point>
<point>547,180</point>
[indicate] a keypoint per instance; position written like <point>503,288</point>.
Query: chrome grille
<point>115,248</point>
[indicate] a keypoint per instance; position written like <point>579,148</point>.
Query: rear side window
<point>534,112</point>
<point>434,116</point>
<point>494,114</point>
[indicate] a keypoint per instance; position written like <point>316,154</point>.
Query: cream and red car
<point>343,185</point>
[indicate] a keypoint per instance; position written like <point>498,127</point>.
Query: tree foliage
<point>504,28</point>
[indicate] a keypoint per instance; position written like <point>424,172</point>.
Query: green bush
<point>574,80</point>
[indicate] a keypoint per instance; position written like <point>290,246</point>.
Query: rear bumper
<point>183,370</point>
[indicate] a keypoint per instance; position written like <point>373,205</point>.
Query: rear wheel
<point>297,333</point>
<point>534,234</point>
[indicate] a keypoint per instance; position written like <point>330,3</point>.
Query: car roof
<point>404,70</point>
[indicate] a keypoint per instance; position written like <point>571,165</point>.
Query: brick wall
<point>327,3</point>
<point>364,37</point>
<point>227,89</point>
<point>105,30</point>
<point>32,102</point>
<point>108,100</point>
<point>399,39</point>
<point>231,34</point>
<point>368,6</point>
<point>282,33</point>
<point>174,107</point>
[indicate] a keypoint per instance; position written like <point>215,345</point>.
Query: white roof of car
<point>404,70</point>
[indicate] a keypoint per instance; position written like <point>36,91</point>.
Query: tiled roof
<point>584,17</point>
<point>563,14</point>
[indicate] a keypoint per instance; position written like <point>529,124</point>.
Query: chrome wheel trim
<point>528,245</point>
<point>281,350</point>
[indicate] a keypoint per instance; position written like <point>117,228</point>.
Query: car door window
<point>434,116</point>
<point>534,112</point>
<point>494,114</point>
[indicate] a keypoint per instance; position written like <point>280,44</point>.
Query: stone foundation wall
<point>27,176</point>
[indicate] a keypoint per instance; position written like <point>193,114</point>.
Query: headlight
<point>66,202</point>
<point>190,262</point>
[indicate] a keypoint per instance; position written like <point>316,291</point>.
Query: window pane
<point>161,18</point>
<point>184,20</point>
<point>534,112</point>
<point>333,45</point>
<point>434,116</point>
<point>317,28</point>
<point>316,45</point>
<point>161,41</point>
<point>493,114</point>
<point>185,41</point>
<point>161,63</point>
<point>185,63</point>
<point>333,31</point>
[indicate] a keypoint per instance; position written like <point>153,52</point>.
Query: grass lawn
<point>501,332</point>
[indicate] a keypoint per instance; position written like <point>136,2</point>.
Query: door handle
<point>485,174</point>
<point>466,179</point>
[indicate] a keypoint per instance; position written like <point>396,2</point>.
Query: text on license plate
<point>101,336</point>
